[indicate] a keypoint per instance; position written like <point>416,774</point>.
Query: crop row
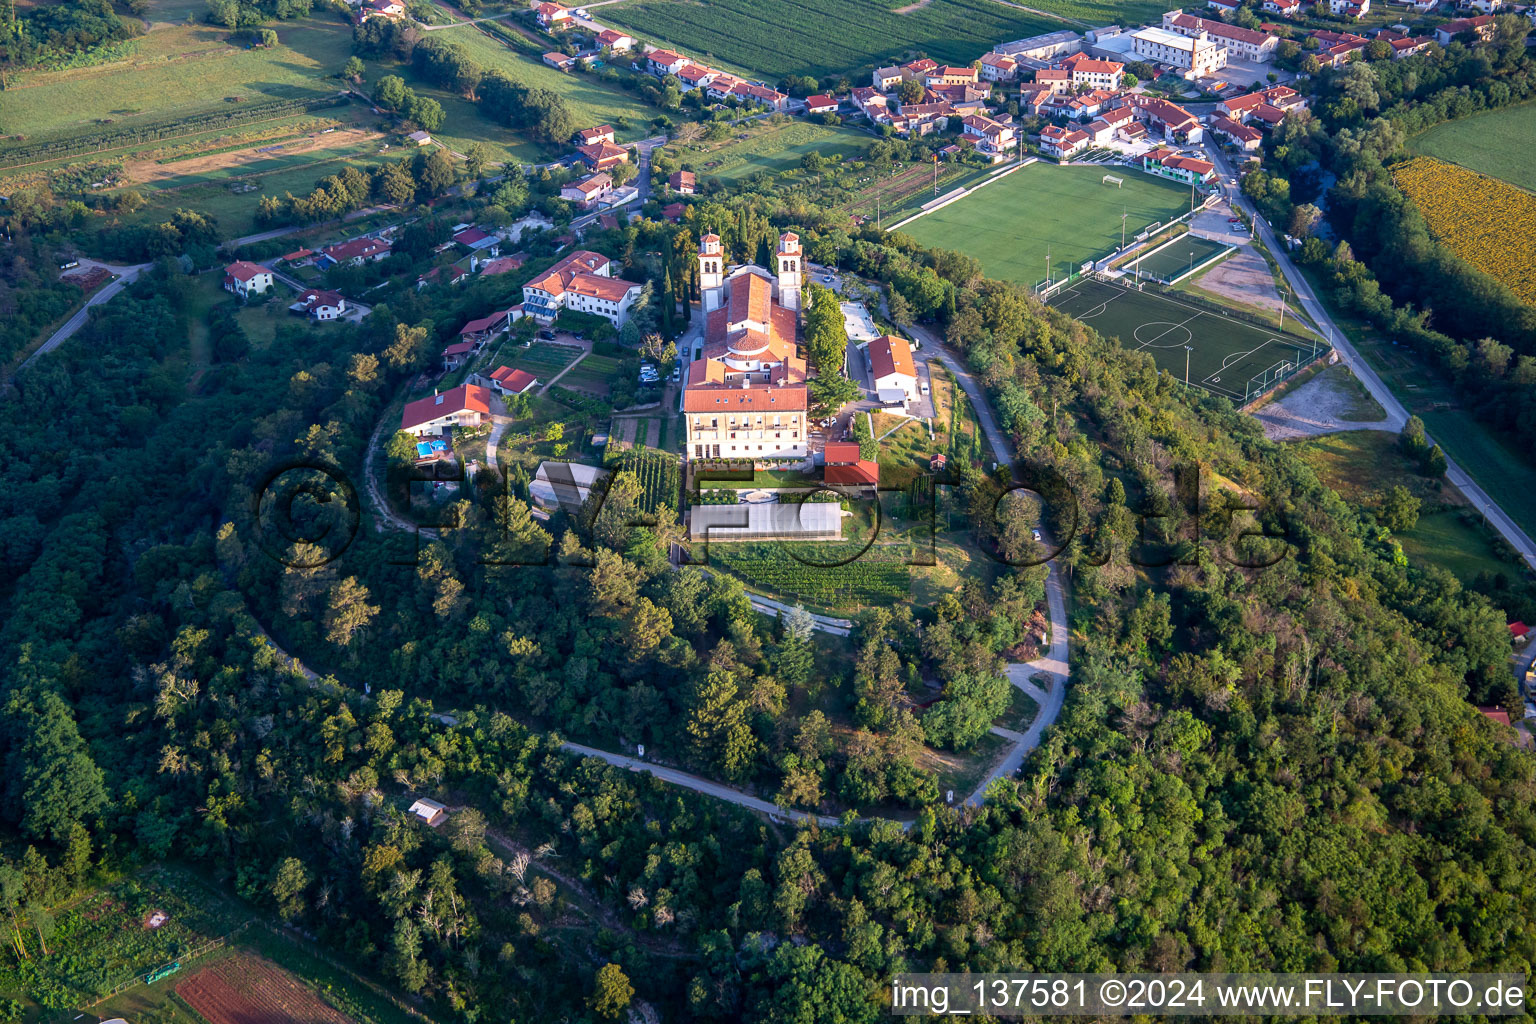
<point>117,137</point>
<point>1487,222</point>
<point>863,581</point>
<point>660,477</point>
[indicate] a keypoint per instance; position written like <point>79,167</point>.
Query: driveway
<point>1397,414</point>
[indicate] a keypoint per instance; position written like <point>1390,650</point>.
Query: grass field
<point>1180,257</point>
<point>1221,354</point>
<point>772,148</point>
<point>541,359</point>
<point>1497,143</point>
<point>590,101</point>
<point>176,71</point>
<point>823,37</point>
<point>1066,213</point>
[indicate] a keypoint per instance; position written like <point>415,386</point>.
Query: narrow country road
<point>1367,375</point>
<point>126,275</point>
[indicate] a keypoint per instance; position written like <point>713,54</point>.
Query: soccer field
<point>1178,258</point>
<point>1227,357</point>
<point>1066,213</point>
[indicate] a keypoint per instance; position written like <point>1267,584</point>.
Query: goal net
<point>1110,179</point>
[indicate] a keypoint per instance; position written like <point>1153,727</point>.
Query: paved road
<point>1495,515</point>
<point>699,785</point>
<point>126,275</point>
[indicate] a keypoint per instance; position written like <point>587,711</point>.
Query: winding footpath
<point>1396,412</point>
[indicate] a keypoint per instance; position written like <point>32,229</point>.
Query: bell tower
<point>790,271</point>
<point>711,272</point>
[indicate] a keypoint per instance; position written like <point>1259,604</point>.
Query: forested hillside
<point>1271,767</point>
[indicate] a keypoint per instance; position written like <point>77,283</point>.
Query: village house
<point>1239,42</point>
<point>390,9</point>
<point>1352,9</point>
<point>300,257</point>
<point>355,252</point>
<point>457,354</point>
<point>692,77</point>
<point>1224,7</point>
<point>1167,119</point>
<point>508,381</point>
<point>245,279</point>
<point>1241,108</point>
<point>559,61</point>
<point>595,136</point>
<point>1097,74</point>
<point>997,67</point>
<point>618,42</point>
<point>665,62</point>
<point>1284,8</point>
<point>552,15</point>
<point>602,156</point>
<point>1336,48</point>
<point>886,79</point>
<point>820,105</point>
<point>467,405</point>
<point>1062,143</point>
<point>481,330</point>
<point>1165,163</point>
<point>587,192</point>
<point>682,182</point>
<point>1243,136</point>
<point>475,240</point>
<point>891,369</point>
<point>1058,80</point>
<point>844,466</point>
<point>992,139</point>
<point>1482,6</point>
<point>1199,56</point>
<point>869,102</point>
<point>583,282</point>
<point>951,76</point>
<point>429,812</point>
<point>1481,27</point>
<point>719,89</point>
<point>1099,131</point>
<point>503,264</point>
<point>1080,108</point>
<point>761,95</point>
<point>318,304</point>
<point>674,212</point>
<point>1404,46</point>
<point>746,398</point>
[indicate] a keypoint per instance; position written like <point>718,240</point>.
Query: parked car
<point>923,387</point>
<point>547,335</point>
<point>826,279</point>
<point>1036,534</point>
<point>69,264</point>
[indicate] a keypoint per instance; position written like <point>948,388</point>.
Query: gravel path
<point>1320,406</point>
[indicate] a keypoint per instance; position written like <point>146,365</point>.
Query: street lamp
<point>1187,350</point>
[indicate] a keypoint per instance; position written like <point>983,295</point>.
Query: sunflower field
<point>1487,222</point>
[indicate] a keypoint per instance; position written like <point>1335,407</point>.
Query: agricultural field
<point>176,71</point>
<point>1487,222</point>
<point>858,584</point>
<point>542,359</point>
<point>1066,214</point>
<point>1496,143</point>
<point>660,476</point>
<point>112,935</point>
<point>771,148</point>
<point>242,988</point>
<point>590,101</point>
<point>825,37</point>
<point>594,375</point>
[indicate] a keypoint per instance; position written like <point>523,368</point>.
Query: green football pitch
<point>1225,356</point>
<point>1180,257</point>
<point>1068,214</point>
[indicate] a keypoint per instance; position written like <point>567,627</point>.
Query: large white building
<point>582,282</point>
<point>1240,43</point>
<point>746,397</point>
<point>1197,56</point>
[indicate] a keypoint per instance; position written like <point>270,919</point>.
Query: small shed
<point>429,811</point>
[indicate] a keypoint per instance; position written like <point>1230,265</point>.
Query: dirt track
<point>143,172</point>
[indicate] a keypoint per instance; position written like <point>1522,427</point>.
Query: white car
<point>923,387</point>
<point>826,278</point>
<point>1036,535</point>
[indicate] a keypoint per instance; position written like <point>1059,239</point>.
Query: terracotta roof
<point>1220,28</point>
<point>483,323</point>
<point>1240,131</point>
<point>613,289</point>
<point>857,474</point>
<point>706,371</point>
<point>1496,714</point>
<point>888,355</point>
<point>299,254</point>
<point>665,58</point>
<point>244,270</point>
<point>603,152</point>
<point>469,236</point>
<point>556,279</point>
<point>751,298</point>
<point>837,452</point>
<point>464,398</point>
<point>820,101</point>
<point>681,179</point>
<point>515,381</point>
<point>343,251</point>
<point>608,36</point>
<point>728,398</point>
<point>459,348</point>
<point>503,264</point>
<point>1269,114</point>
<point>591,135</point>
<point>1098,67</point>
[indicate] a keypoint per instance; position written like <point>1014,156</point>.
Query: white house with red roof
<point>1285,8</point>
<point>551,15</point>
<point>390,9</point>
<point>665,62</point>
<point>1239,42</point>
<point>593,136</point>
<point>843,465</point>
<point>998,67</point>
<point>1062,143</point>
<point>1165,163</point>
<point>992,139</point>
<point>694,76</point>
<point>512,382</point>
<point>891,367</point>
<point>1097,74</point>
<point>356,252</point>
<point>245,279</point>
<point>589,191</point>
<point>583,282</point>
<point>319,304</point>
<point>1352,9</point>
<point>482,329</point>
<point>467,405</point>
<point>618,42</point>
<point>820,105</point>
<point>1243,136</point>
<point>1480,26</point>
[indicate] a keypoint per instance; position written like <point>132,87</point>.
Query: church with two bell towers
<point>747,397</point>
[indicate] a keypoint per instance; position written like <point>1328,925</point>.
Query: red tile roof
<point>244,270</point>
<point>728,398</point>
<point>857,474</point>
<point>514,381</point>
<point>464,398</point>
<point>751,298</point>
<point>888,355</point>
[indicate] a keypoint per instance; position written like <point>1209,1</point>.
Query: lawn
<point>1227,357</point>
<point>1361,465</point>
<point>772,148</point>
<point>176,71</point>
<point>1456,541</point>
<point>1496,143</point>
<point>590,101</point>
<point>1065,213</point>
<point>827,37</point>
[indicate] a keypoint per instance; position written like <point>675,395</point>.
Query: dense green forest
<point>1255,768</point>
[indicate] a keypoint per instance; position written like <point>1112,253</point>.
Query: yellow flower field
<point>1487,222</point>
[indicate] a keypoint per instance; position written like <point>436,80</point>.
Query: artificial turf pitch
<point>1066,213</point>
<point>1224,354</point>
<point>1181,256</point>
